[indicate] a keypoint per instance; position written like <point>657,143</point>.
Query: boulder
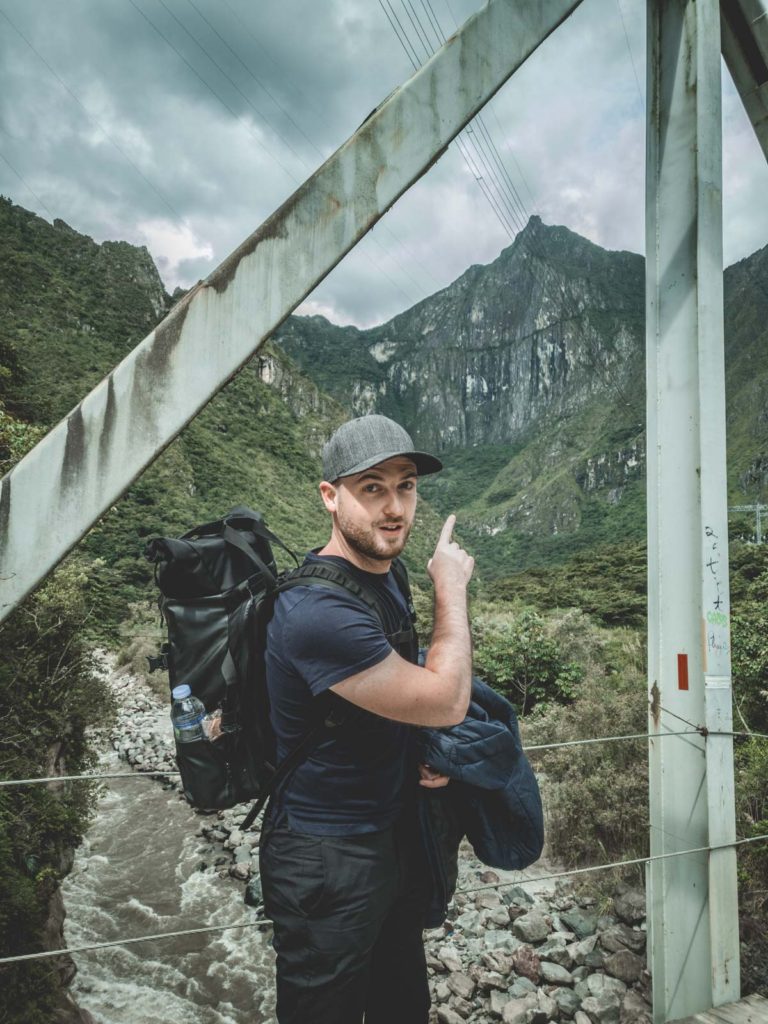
<point>554,974</point>
<point>630,906</point>
<point>547,1004</point>
<point>531,927</point>
<point>626,966</point>
<point>519,1011</point>
<point>634,1009</point>
<point>442,992</point>
<point>461,984</point>
<point>489,980</point>
<point>446,1015</point>
<point>498,1001</point>
<point>579,921</point>
<point>462,1006</point>
<point>450,958</point>
<point>487,900</point>
<point>567,1001</point>
<point>603,1009</point>
<point>581,950</point>
<point>621,936</point>
<point>555,950</point>
<point>526,963</point>
<point>598,984</point>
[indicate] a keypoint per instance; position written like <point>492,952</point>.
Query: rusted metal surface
<point>692,904</point>
<point>56,493</point>
<point>745,48</point>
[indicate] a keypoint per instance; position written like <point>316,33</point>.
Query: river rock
<point>567,1001</point>
<point>516,894</point>
<point>630,906</point>
<point>581,922</point>
<point>470,923</point>
<point>497,960</point>
<point>603,1009</point>
<point>462,1006</point>
<point>489,877</point>
<point>240,871</point>
<point>527,964</point>
<point>489,980</point>
<point>547,1004</point>
<point>522,987</point>
<point>446,1015</point>
<point>461,984</point>
<point>497,1003</point>
<point>450,958</point>
<point>555,949</point>
<point>625,966</point>
<point>621,936</point>
<point>254,897</point>
<point>531,927</point>
<point>554,974</point>
<point>579,951</point>
<point>442,992</point>
<point>598,984</point>
<point>499,917</point>
<point>498,939</point>
<point>634,1009</point>
<point>519,1011</point>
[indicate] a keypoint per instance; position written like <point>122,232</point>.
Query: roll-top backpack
<point>218,584</point>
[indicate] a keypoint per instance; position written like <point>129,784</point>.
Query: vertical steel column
<point>692,900</point>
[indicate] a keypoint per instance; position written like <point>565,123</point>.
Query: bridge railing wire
<point>69,951</point>
<point>695,730</point>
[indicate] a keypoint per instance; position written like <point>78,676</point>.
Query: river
<point>138,873</point>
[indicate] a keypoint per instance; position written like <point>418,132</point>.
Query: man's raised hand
<point>450,565</point>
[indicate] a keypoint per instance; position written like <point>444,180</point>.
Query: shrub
<point>519,657</point>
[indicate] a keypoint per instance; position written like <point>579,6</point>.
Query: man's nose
<point>394,503</point>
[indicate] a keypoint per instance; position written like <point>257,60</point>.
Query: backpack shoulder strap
<point>333,576</point>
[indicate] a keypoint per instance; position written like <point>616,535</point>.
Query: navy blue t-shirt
<point>352,782</point>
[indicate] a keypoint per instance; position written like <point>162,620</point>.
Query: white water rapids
<point>137,873</point>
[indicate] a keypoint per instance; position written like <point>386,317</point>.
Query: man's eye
<point>408,485</point>
<point>371,488</point>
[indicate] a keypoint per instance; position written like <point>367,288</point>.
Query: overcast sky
<point>181,124</point>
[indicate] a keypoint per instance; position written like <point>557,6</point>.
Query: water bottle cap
<point>180,692</point>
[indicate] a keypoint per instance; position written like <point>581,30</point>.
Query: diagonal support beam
<point>744,27</point>
<point>59,490</point>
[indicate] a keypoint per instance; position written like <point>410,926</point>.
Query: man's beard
<point>364,540</point>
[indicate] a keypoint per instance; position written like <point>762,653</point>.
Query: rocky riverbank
<point>520,952</point>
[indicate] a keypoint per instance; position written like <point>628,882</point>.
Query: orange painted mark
<point>682,671</point>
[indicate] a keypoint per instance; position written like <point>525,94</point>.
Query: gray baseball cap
<point>367,441</point>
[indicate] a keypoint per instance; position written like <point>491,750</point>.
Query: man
<point>339,859</point>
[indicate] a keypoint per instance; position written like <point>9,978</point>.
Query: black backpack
<point>218,584</point>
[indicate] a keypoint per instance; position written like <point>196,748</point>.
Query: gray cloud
<point>201,116</point>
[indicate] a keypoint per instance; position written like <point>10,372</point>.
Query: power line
<point>629,51</point>
<point>93,120</point>
<point>24,181</point>
<point>294,179</point>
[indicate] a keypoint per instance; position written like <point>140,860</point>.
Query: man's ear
<point>329,495</point>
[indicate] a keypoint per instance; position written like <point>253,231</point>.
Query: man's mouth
<point>392,528</point>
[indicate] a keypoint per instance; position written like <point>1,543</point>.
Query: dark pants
<point>347,928</point>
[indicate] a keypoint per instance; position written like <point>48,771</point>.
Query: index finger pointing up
<point>447,530</point>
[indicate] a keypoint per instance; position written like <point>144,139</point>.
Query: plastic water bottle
<point>187,714</point>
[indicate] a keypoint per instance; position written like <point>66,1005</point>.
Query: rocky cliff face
<point>551,323</point>
<point>541,351</point>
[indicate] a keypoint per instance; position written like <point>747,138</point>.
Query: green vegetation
<point>519,657</point>
<point>49,696</point>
